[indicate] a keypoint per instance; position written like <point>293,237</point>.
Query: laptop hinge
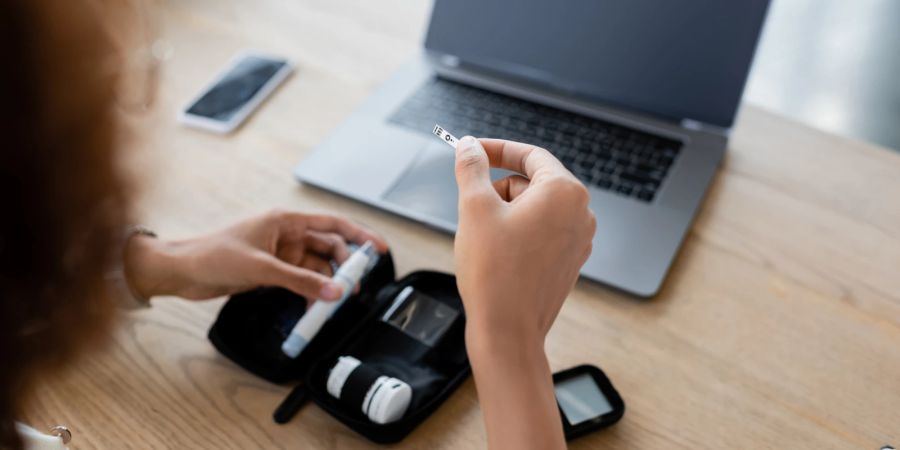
<point>696,125</point>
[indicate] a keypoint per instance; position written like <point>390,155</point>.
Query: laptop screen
<point>677,59</point>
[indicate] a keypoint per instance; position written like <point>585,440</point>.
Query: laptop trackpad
<point>428,186</point>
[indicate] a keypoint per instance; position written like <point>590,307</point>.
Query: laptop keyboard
<point>613,157</point>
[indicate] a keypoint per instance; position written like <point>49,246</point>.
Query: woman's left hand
<point>280,248</point>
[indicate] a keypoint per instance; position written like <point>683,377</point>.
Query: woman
<point>520,244</point>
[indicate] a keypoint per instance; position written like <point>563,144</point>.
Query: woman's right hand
<point>519,247</point>
<point>288,249</point>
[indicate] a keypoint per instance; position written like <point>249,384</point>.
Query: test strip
<point>445,136</point>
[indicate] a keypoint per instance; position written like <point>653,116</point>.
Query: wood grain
<point>779,326</point>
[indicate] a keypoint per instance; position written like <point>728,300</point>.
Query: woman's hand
<point>520,245</point>
<point>521,241</point>
<point>279,248</point>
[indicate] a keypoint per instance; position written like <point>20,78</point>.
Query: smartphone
<point>587,400</point>
<point>236,92</point>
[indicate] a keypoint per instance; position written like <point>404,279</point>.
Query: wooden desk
<point>779,326</point>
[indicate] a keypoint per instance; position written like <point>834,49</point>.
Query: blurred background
<point>830,64</point>
<point>833,65</point>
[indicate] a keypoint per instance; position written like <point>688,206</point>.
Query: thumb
<point>473,170</point>
<point>304,282</point>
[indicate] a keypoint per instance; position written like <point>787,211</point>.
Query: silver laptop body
<point>667,73</point>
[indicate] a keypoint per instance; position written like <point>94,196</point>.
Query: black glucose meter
<point>587,400</point>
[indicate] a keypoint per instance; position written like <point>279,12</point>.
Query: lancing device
<point>347,276</point>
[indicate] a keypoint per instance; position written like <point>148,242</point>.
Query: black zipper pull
<point>291,404</point>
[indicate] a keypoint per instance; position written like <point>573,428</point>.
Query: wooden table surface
<point>779,326</point>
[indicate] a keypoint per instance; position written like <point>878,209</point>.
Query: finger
<point>330,245</point>
<point>473,171</point>
<point>291,252</point>
<point>316,263</point>
<point>526,159</point>
<point>511,187</point>
<point>343,227</point>
<point>304,282</point>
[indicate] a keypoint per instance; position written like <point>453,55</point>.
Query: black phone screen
<point>236,88</point>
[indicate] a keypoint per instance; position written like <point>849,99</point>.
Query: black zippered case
<point>251,327</point>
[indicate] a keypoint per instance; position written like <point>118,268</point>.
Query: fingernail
<point>330,291</point>
<point>466,143</point>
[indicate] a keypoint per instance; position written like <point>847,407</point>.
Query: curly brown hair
<point>66,199</point>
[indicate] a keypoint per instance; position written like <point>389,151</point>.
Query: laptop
<point>635,97</point>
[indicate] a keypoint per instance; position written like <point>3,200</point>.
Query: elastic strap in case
<point>357,386</point>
